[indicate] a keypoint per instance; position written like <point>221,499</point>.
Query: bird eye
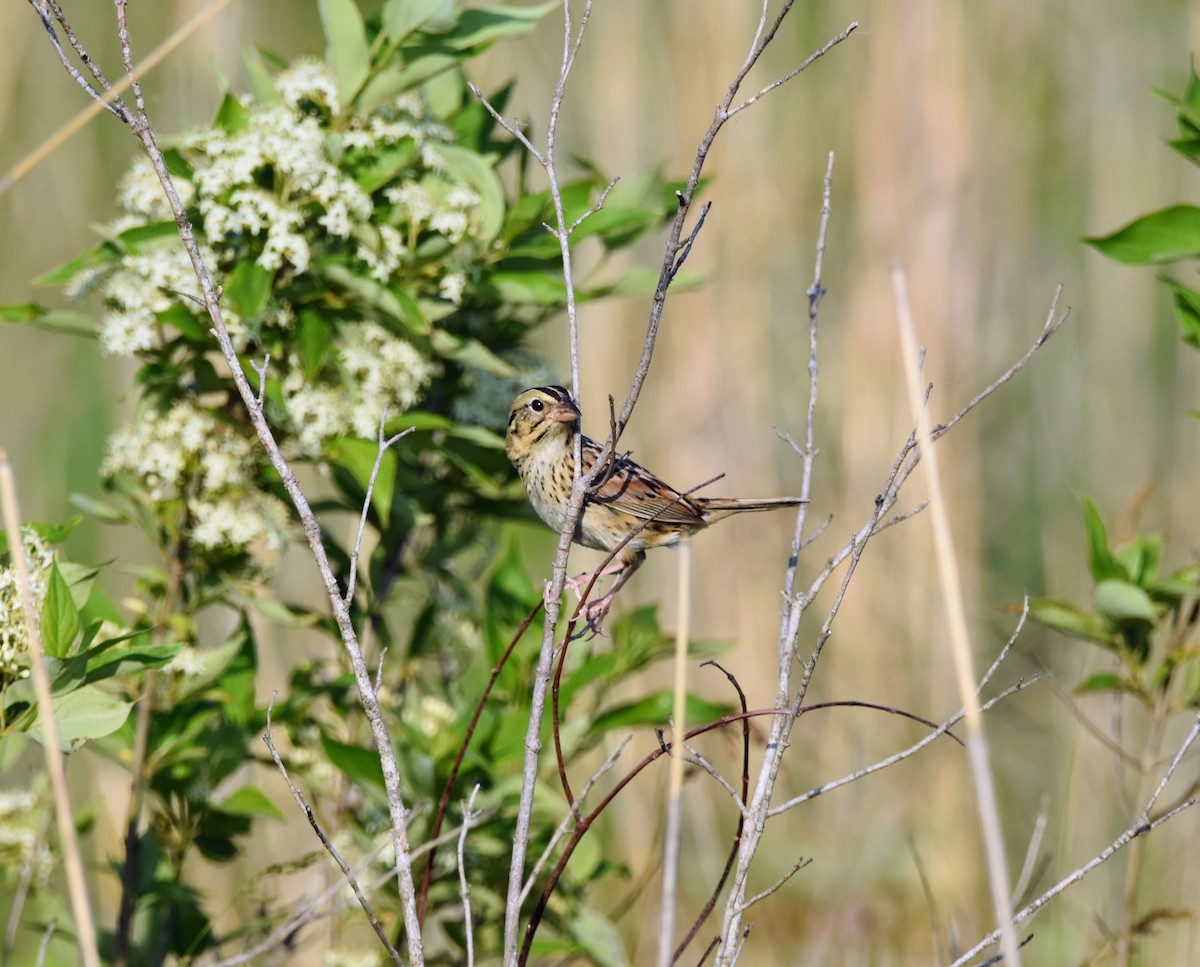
<point>537,406</point>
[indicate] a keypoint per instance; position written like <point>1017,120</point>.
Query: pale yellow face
<point>541,418</point>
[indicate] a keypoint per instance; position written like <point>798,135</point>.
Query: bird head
<point>540,416</point>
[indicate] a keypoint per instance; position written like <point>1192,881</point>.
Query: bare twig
<point>464,888</point>
<point>385,444</point>
<point>561,830</point>
<point>452,776</point>
<point>778,884</point>
<point>261,369</point>
<point>1025,878</point>
<point>711,903</point>
<point>1136,830</point>
<point>44,943</point>
<point>891,760</point>
<point>329,847</point>
<point>695,758</point>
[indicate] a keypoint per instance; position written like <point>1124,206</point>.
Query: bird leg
<point>581,581</point>
<point>595,611</point>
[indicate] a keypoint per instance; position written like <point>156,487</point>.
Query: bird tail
<point>714,508</point>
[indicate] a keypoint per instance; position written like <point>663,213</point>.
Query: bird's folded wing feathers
<point>638,493</point>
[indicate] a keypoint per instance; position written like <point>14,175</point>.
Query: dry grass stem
<point>72,859</point>
<point>960,643</point>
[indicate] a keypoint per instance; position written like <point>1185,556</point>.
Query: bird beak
<point>566,412</point>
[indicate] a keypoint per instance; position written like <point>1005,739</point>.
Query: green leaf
<point>103,254</point>
<point>478,27</point>
<point>232,116</point>
<point>642,281</point>
<point>314,337</point>
<point>249,801</point>
<point>1122,601</point>
<point>60,617</point>
<point>478,172</point>
<point>1163,236</point>
<point>248,288</point>
<point>387,85</point>
<point>1103,682</point>
<point>393,303</point>
<point>1100,560</point>
<point>30,314</point>
<point>357,457</point>
<point>469,352</point>
<point>84,714</point>
<point>1187,312</point>
<point>1139,559</point>
<point>385,163</point>
<point>262,85</point>
<point>402,17</point>
<point>1070,620</point>
<point>97,508</point>
<point>136,239</point>
<point>539,288</point>
<point>55,533</point>
<point>656,709</point>
<point>468,432</point>
<point>180,318</point>
<point>347,51</point>
<point>1188,147</point>
<point>361,765</point>
<point>599,938</point>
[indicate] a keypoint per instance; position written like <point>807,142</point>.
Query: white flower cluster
<point>141,193</point>
<point>145,284</point>
<point>309,79</point>
<point>14,643</point>
<point>291,146</point>
<point>385,371</point>
<point>22,845</point>
<point>187,454</point>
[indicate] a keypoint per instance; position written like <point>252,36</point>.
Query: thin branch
<point>779,82</point>
<point>104,96</point>
<point>452,776</point>
<point>385,444</point>
<point>591,211</point>
<point>891,760</point>
<point>44,943</point>
<point>561,830</point>
<point>329,847</point>
<point>262,378</point>
<point>1166,778</point>
<point>695,758</point>
<point>778,884</point>
<point>1054,322</point>
<point>1031,852</point>
<point>464,888</point>
<point>1137,829</point>
<point>731,858</point>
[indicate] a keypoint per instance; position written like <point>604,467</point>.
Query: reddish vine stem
<point>452,777</point>
<point>664,748</point>
<point>554,719</point>
<point>741,823</point>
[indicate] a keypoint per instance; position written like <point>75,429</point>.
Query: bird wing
<point>634,490</point>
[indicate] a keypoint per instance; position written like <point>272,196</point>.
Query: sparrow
<point>540,443</point>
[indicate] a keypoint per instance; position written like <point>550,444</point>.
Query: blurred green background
<point>975,143</point>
